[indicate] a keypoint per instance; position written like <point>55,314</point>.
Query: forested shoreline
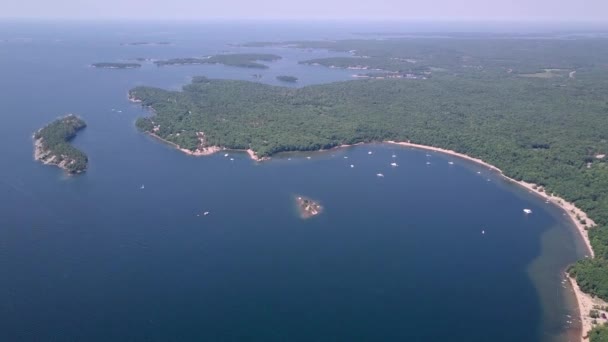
<point>52,144</point>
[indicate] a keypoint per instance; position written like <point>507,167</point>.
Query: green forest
<point>535,108</point>
<point>54,139</point>
<point>243,60</point>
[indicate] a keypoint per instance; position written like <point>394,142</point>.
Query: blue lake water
<point>398,258</point>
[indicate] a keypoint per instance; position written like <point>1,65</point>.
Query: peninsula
<point>307,207</point>
<point>243,60</point>
<point>51,144</point>
<point>116,65</point>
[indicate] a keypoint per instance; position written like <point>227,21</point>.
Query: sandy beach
<point>209,150</point>
<point>586,303</point>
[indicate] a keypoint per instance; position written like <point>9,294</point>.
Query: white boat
<point>370,152</point>
<point>451,162</point>
<point>351,166</point>
<point>379,175</point>
<point>528,211</point>
<point>205,213</point>
<point>231,159</point>
<point>428,163</point>
<point>226,155</point>
<point>483,232</point>
<point>345,157</point>
<point>394,156</point>
<point>478,172</point>
<point>307,157</point>
<point>394,164</point>
<point>142,187</point>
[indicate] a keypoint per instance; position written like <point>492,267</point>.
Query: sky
<point>519,10</point>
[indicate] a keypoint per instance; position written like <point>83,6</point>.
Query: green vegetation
<point>243,60</point>
<point>52,144</point>
<point>599,334</point>
<point>545,130</point>
<point>116,65</point>
<point>290,79</point>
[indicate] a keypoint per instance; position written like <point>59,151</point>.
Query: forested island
<point>288,79</point>
<point>243,60</point>
<point>488,98</point>
<point>52,144</point>
<point>106,65</point>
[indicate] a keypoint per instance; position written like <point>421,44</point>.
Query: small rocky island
<point>307,207</point>
<point>52,145</point>
<point>116,65</point>
<point>290,79</point>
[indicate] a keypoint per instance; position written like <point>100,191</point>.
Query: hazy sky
<point>580,10</point>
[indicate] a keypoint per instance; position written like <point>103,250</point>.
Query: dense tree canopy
<point>54,139</point>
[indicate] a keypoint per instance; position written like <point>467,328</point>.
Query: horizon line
<point>530,20</point>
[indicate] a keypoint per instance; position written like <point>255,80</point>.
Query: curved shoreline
<point>585,302</point>
<point>569,208</point>
<point>207,151</point>
<point>572,211</point>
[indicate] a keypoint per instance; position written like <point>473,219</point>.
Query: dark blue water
<point>399,258</point>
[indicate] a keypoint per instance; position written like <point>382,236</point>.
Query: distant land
<point>535,108</point>
<point>243,60</point>
<point>145,43</point>
<point>52,144</point>
<point>116,65</point>
<point>289,79</point>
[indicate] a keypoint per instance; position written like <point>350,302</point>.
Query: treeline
<point>54,143</point>
<point>243,60</point>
